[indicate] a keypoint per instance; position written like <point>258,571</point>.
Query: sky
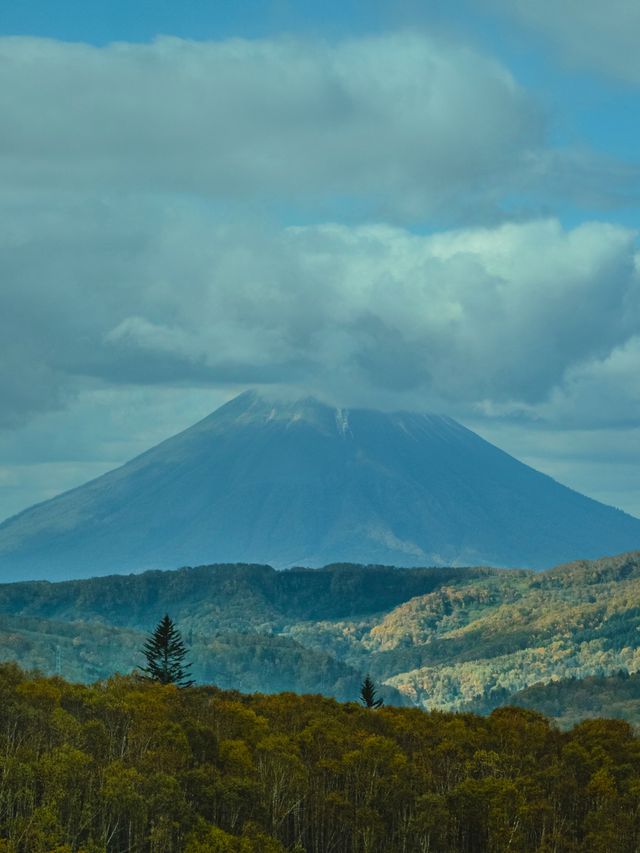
<point>402,205</point>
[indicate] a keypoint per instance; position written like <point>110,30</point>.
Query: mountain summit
<point>304,483</point>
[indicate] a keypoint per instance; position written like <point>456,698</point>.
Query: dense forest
<point>131,765</point>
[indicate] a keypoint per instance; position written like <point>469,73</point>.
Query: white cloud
<point>500,314</point>
<point>589,33</point>
<point>602,390</point>
<point>404,122</point>
<point>521,316</point>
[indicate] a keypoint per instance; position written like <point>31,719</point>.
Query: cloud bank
<point>525,318</point>
<point>405,122</point>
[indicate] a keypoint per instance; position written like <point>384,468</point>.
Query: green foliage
<point>136,765</point>
<point>165,653</point>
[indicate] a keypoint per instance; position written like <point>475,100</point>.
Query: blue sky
<point>116,20</point>
<point>408,204</point>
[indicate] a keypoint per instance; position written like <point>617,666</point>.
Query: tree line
<point>165,655</point>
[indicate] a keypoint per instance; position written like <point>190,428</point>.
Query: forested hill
<point>236,596</point>
<point>237,620</point>
<point>130,765</point>
<point>438,638</point>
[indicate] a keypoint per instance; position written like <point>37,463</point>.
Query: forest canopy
<point>127,764</point>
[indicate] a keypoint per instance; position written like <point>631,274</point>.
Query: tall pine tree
<point>165,653</point>
<point>368,694</point>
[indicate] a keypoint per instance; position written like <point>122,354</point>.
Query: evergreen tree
<point>368,694</point>
<point>165,653</point>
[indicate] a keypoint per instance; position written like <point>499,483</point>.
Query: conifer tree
<point>165,653</point>
<point>368,694</point>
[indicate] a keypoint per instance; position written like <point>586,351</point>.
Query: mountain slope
<point>303,483</point>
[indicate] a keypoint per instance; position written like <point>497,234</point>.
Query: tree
<point>165,653</point>
<point>368,694</point>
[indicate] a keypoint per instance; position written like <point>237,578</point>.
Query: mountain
<point>446,638</point>
<point>306,484</point>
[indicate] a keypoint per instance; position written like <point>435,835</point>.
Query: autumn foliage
<point>129,765</point>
